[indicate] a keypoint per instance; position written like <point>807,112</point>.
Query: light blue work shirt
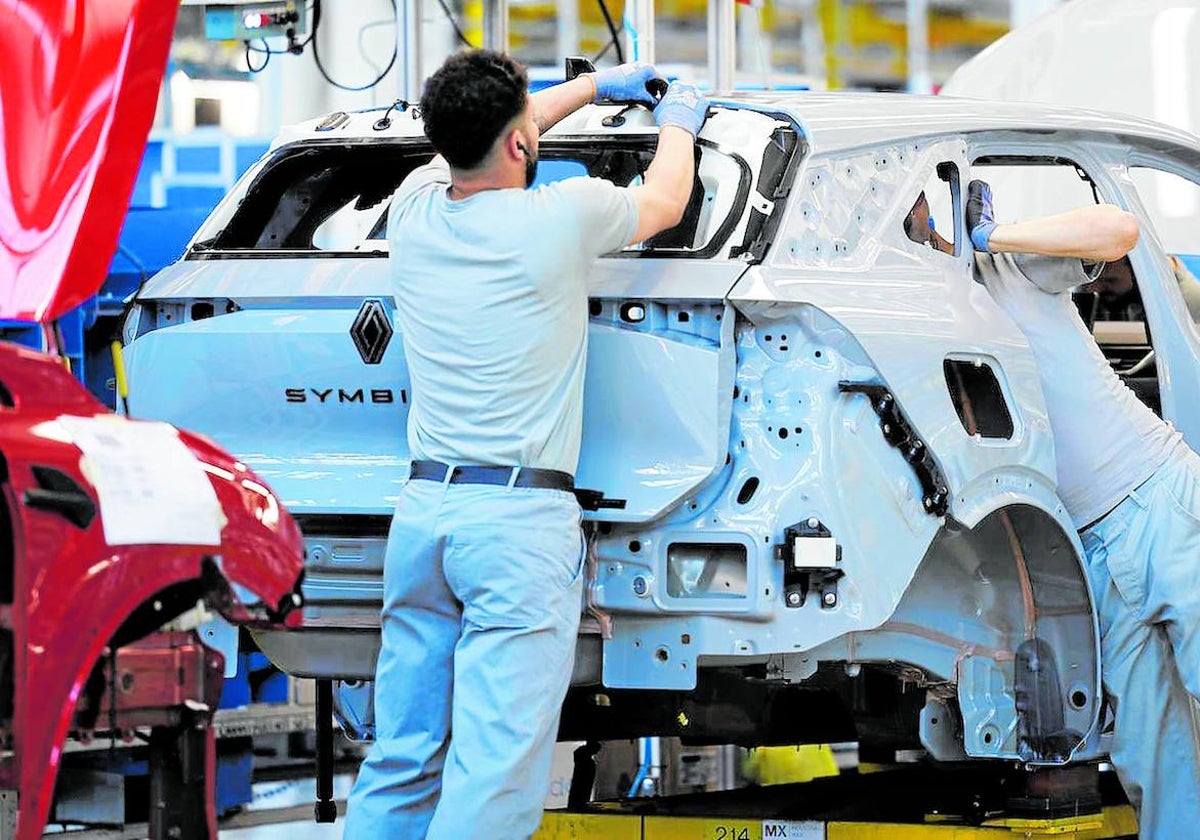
<point>491,301</point>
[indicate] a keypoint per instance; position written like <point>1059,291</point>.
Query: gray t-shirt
<point>491,300</point>
<point>1106,441</point>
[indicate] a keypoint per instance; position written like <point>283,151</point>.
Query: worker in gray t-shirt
<point>483,572</point>
<point>1132,488</point>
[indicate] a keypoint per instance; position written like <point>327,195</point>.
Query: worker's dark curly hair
<point>469,101</point>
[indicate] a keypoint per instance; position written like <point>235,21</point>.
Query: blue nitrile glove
<point>980,219</point>
<point>682,106</point>
<point>625,83</point>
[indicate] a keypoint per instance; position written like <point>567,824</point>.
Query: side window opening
<point>931,220</point>
<point>1173,204</point>
<point>1111,305</point>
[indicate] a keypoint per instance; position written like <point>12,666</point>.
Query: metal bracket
<point>8,814</point>
<point>898,431</point>
<point>595,500</point>
<point>811,562</point>
<point>761,203</point>
<point>325,809</point>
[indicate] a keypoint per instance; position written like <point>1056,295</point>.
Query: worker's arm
<point>623,83</point>
<point>1098,232</point>
<point>663,194</point>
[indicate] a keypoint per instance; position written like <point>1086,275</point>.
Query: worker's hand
<point>980,218</point>
<point>682,106</point>
<point>625,83</point>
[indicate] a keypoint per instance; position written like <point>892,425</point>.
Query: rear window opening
<point>325,198</point>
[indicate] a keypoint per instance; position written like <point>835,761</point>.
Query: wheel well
<point>165,605</point>
<point>982,603</point>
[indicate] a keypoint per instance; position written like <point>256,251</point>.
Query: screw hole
<point>635,546</point>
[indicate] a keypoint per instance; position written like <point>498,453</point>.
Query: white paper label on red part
<point>151,489</point>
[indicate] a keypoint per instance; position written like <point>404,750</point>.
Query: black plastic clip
<point>577,65</point>
<point>58,493</point>
<point>594,500</point>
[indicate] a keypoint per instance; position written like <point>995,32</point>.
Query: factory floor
<point>287,796</point>
<point>305,830</point>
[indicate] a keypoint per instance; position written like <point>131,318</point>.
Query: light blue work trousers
<point>1144,565</point>
<point>482,595</point>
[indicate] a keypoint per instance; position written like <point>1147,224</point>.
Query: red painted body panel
<point>79,83</point>
<point>73,591</point>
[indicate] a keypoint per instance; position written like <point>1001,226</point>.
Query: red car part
<point>79,83</point>
<point>74,596</point>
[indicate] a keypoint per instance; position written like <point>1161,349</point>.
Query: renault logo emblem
<point>371,332</point>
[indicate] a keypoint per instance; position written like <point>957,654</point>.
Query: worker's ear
<point>513,143</point>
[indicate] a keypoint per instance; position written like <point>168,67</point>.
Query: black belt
<point>1104,515</point>
<point>502,476</point>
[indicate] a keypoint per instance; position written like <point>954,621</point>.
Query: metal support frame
<point>8,814</point>
<point>325,809</point>
<point>639,30</point>
<point>183,770</point>
<point>722,44</point>
<point>408,45</point>
<point>919,79</point>
<point>495,25</point>
<point>567,13</point>
<point>812,39</point>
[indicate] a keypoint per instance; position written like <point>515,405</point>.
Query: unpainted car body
<point>827,497</point>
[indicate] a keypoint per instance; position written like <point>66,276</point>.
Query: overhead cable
<point>321,67</point>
